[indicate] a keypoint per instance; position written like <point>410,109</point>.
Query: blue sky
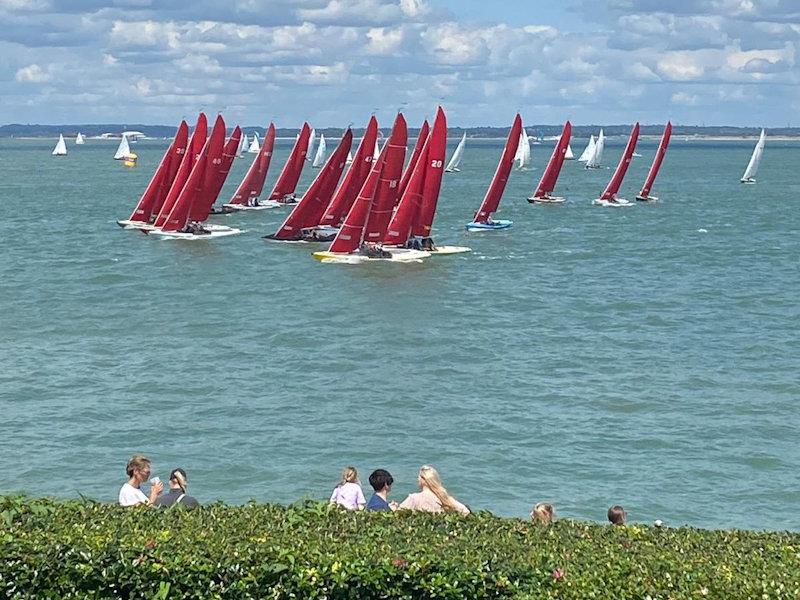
<point>333,62</point>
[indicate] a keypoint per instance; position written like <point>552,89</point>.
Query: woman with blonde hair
<point>348,492</point>
<point>138,470</point>
<point>432,497</point>
<point>543,513</point>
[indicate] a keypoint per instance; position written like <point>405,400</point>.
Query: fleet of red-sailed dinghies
<point>368,206</point>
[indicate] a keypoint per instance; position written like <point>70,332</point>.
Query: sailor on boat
<point>288,199</point>
<point>194,228</point>
<point>373,250</point>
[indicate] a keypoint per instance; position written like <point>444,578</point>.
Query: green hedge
<point>52,549</point>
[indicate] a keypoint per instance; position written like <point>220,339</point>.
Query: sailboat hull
<point>547,200</point>
<point>749,181</point>
<point>212,233</point>
<point>456,170</point>
<point>442,250</point>
<point>616,203</point>
<point>646,199</point>
<point>128,224</point>
<point>397,255</point>
<point>494,225</point>
<point>266,204</point>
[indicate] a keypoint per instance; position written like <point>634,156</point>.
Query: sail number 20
<point>436,164</point>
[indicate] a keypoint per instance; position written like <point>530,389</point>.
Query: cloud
<point>32,74</point>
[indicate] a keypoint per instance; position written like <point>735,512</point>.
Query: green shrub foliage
<point>52,549</point>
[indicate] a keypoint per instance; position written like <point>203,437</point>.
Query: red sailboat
<point>301,222</point>
<point>246,195</point>
<point>216,173</point>
<point>548,182</point>
<point>423,137</point>
<point>283,192</point>
<point>483,218</point>
<point>156,192</point>
<point>609,196</point>
<point>644,195</point>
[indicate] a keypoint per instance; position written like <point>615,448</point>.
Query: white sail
<point>752,167</point>
<point>61,147</point>
<point>376,152</point>
<point>588,151</point>
<point>319,157</point>
<point>597,156</point>
<point>123,150</point>
<point>568,155</point>
<point>79,139</point>
<point>456,159</point>
<point>523,155</point>
<point>310,150</point>
<point>349,158</point>
<point>243,145</point>
<point>255,147</point>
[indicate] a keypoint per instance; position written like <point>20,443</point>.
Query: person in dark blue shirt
<point>381,481</point>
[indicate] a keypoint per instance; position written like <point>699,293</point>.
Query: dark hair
<point>616,514</point>
<point>179,476</point>
<point>380,478</point>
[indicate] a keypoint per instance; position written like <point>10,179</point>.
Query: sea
<point>647,356</point>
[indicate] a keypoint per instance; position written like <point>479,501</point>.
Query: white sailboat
<point>597,156</point>
<point>243,145</point>
<point>123,150</point>
<point>349,158</point>
<point>310,150</point>
<point>455,161</point>
<point>319,157</point>
<point>255,147</point>
<point>755,160</point>
<point>79,139</point>
<point>568,155</point>
<point>588,151</point>
<point>61,147</point>
<point>523,155</point>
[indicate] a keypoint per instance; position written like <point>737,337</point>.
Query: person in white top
<point>433,496</point>
<point>348,493</point>
<point>138,471</point>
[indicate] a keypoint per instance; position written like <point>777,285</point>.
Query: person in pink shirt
<point>433,496</point>
<point>348,493</point>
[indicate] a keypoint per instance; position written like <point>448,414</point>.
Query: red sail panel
<point>216,173</point>
<point>399,229</point>
<point>423,137</point>
<point>194,189</point>
<point>349,237</point>
<point>616,180</point>
<point>187,163</point>
<point>290,174</point>
<point>309,211</point>
<point>354,179</point>
<point>158,188</point>
<point>498,184</point>
<point>550,175</point>
<point>657,160</point>
<point>433,177</point>
<point>386,194</point>
<point>253,182</point>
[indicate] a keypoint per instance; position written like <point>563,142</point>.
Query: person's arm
<point>334,495</point>
<point>360,500</point>
<point>155,490</point>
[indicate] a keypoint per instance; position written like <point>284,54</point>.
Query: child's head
<point>543,513</point>
<point>616,515</point>
<point>380,479</point>
<point>349,475</point>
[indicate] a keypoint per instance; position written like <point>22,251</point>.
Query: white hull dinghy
<point>398,255</point>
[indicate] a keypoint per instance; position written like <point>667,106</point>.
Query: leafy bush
<point>54,549</point>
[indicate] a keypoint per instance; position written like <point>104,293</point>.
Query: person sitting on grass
<point>433,496</point>
<point>177,491</point>
<point>348,493</point>
<point>543,513</point>
<point>381,481</point>
<point>138,470</point>
<point>617,515</point>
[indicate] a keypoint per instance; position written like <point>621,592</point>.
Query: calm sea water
<point>587,356</point>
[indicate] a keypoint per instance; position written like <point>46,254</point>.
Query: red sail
<point>316,199</point>
<point>354,179</point>
<point>550,175</point>
<point>657,160</point>
<point>189,159</point>
<point>349,237</point>
<point>423,137</point>
<point>217,171</point>
<point>386,195</point>
<point>199,178</point>
<point>158,188</point>
<point>290,175</point>
<point>498,185</point>
<point>616,180</point>
<point>253,182</point>
<point>433,177</point>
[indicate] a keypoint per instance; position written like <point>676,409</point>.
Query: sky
<point>333,62</point>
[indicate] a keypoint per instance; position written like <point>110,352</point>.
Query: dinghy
<point>644,195</point>
<point>246,195</point>
<point>588,151</point>
<point>123,150</point>
<point>80,139</point>
<point>153,198</point>
<point>303,220</point>
<point>254,147</point>
<point>311,141</point>
<point>243,146</point>
<point>755,160</point>
<point>412,163</point>
<point>550,176</point>
<point>319,157</point>
<point>596,158</point>
<point>61,147</point>
<point>283,191</point>
<point>568,155</point>
<point>483,218</point>
<point>523,156</point>
<point>609,196</point>
<point>455,161</point>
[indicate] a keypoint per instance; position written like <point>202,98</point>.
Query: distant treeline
<point>580,131</point>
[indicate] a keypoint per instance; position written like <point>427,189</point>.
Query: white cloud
<point>684,98</point>
<point>32,74</point>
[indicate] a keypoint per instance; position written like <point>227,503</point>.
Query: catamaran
<point>644,195</point>
<point>246,195</point>
<point>523,155</point>
<point>61,147</point>
<point>455,160</point>
<point>609,196</point>
<point>319,157</point>
<point>550,176</point>
<point>254,147</point>
<point>483,218</point>
<point>80,139</point>
<point>596,158</point>
<point>755,160</point>
<point>283,191</point>
<point>588,151</point>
